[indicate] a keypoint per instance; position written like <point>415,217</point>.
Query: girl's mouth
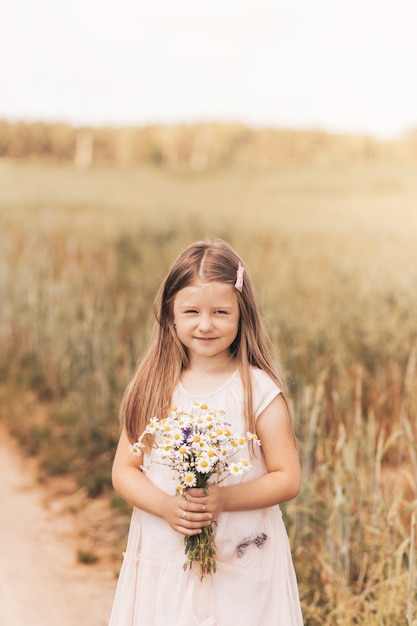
<point>205,338</point>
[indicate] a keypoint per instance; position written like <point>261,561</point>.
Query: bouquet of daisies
<point>200,447</point>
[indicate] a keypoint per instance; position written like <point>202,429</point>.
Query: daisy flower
<point>203,465</point>
<point>189,479</point>
<point>235,469</point>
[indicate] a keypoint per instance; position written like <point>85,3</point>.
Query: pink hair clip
<point>239,277</point>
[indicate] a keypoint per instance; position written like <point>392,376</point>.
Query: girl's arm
<point>132,484</point>
<point>281,483</point>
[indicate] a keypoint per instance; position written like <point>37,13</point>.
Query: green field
<point>332,250</point>
<point>337,200</point>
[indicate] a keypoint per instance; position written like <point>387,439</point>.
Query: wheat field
<point>332,250</point>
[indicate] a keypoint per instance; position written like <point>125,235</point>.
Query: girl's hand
<point>186,517</point>
<point>212,498</point>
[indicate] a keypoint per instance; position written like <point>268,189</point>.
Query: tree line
<point>195,146</point>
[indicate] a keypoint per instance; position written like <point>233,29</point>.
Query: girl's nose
<point>205,322</point>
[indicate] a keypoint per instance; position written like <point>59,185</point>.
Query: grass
<point>87,557</point>
<point>331,249</point>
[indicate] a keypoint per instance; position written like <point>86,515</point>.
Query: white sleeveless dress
<point>255,582</point>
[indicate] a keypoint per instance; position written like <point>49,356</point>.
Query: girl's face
<point>206,316</point>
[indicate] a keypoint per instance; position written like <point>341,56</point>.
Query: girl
<point>209,346</point>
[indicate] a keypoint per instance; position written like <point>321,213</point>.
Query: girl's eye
<point>191,311</point>
<point>221,312</point>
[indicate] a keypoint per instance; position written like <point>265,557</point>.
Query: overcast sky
<point>341,65</point>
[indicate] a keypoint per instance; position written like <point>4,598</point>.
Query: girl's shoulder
<point>264,390</point>
<point>261,378</point>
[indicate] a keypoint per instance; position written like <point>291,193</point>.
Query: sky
<point>339,65</point>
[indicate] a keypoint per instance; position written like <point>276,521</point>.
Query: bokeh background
<point>288,129</point>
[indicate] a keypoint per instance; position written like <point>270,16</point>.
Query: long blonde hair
<point>150,391</point>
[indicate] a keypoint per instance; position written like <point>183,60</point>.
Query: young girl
<point>210,347</point>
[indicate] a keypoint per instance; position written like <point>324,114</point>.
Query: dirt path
<point>41,582</point>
